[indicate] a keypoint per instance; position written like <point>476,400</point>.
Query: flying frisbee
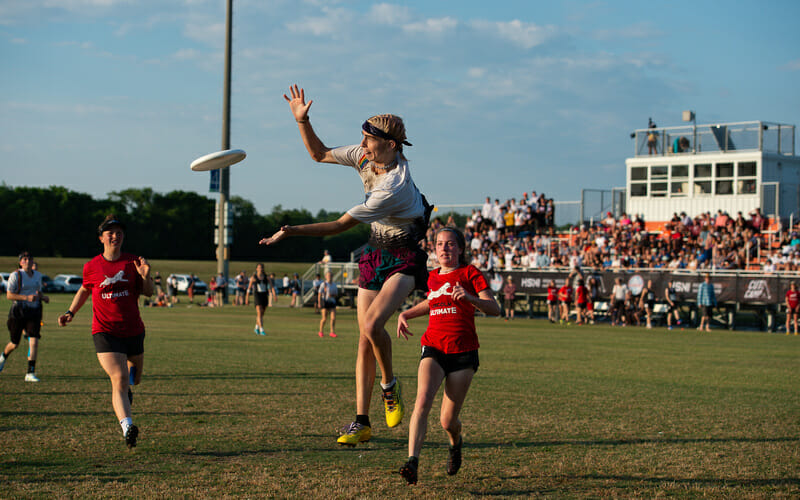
<point>220,159</point>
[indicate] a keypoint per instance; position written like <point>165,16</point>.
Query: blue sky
<point>499,98</point>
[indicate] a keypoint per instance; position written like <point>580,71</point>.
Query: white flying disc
<point>220,159</point>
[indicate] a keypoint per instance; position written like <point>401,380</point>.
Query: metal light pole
<point>224,184</point>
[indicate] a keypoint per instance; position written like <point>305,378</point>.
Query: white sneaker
<point>31,377</point>
<point>2,363</point>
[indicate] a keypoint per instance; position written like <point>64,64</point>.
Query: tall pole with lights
<point>223,236</point>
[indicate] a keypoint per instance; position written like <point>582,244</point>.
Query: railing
<point>716,138</point>
<point>343,274</point>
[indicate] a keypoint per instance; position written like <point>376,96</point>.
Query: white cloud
<point>385,13</point>
<point>642,30</point>
<point>476,72</point>
<point>792,65</point>
<point>525,35</point>
<point>431,26</point>
<point>333,21</point>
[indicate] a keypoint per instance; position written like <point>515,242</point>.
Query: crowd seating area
<point>517,236</point>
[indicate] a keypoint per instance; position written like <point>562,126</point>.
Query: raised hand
<point>142,267</point>
<point>297,103</point>
<point>281,234</point>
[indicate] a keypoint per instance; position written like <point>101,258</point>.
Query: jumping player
<point>449,345</point>
<point>392,265</point>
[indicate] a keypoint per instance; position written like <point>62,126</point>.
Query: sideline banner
<point>757,290</point>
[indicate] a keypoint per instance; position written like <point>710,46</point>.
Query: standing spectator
<point>286,290</point>
<point>259,286</point>
<point>647,302</point>
<point>24,287</point>
<point>315,283</point>
<point>241,288</point>
<point>706,301</point>
<point>212,291</point>
<point>326,260</point>
<point>509,294</point>
<point>297,287</point>
<point>392,264</point>
<point>115,280</point>
<point>552,302</point>
<point>157,281</point>
<point>792,305</point>
<point>273,290</point>
<point>581,301</point>
<point>618,293</point>
<point>172,289</point>
<point>190,288</point>
<point>449,346</point>
<point>652,137</point>
<point>673,307</point>
<point>222,287</point>
<point>327,297</point>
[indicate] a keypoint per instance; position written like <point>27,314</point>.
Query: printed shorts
<point>378,264</point>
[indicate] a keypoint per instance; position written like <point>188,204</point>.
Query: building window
<point>702,187</point>
<point>724,169</point>
<point>638,189</point>
<point>746,169</point>
<point>658,189</point>
<point>702,170</point>
<point>679,171</point>
<point>658,173</point>
<point>638,173</point>
<point>680,188</point>
<point>724,187</point>
<point>746,186</point>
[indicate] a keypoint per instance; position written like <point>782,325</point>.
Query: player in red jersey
<point>552,302</point>
<point>449,345</point>
<point>581,299</point>
<point>115,280</point>
<point>565,300</point>
<point>792,305</point>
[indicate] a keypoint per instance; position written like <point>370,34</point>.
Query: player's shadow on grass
<point>250,375</point>
<point>628,442</point>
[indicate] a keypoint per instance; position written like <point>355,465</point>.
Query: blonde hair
<point>392,125</point>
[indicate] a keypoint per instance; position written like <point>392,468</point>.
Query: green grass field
<point>554,411</point>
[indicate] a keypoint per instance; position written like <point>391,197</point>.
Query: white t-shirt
<point>393,205</point>
<point>31,285</point>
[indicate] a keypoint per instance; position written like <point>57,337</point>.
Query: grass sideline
<point>553,412</point>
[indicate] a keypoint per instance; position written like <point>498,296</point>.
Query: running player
<point>449,345</point>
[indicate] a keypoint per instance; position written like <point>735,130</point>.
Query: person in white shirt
<point>393,263</point>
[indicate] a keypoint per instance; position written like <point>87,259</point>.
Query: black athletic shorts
<point>261,298</point>
<point>452,362</point>
<point>105,342</point>
<point>32,327</point>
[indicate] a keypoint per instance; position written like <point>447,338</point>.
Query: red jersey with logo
<point>565,294</point>
<point>115,288</point>
<point>551,294</point>
<point>451,324</point>
<point>793,298</point>
<point>581,293</point>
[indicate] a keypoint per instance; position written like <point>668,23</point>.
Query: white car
<point>3,281</point>
<point>182,283</point>
<point>69,282</point>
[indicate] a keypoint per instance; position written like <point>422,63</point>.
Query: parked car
<point>182,283</point>
<point>49,286</point>
<point>69,282</point>
<point>3,280</point>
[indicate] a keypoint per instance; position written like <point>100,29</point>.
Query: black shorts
<point>672,308</point>
<point>261,298</point>
<point>105,342</point>
<point>32,327</point>
<point>452,362</point>
<point>329,303</point>
<point>707,310</point>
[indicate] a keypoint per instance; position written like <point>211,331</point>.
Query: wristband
<point>302,121</point>
<point>70,313</point>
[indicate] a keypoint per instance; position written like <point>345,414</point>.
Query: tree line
<point>58,222</point>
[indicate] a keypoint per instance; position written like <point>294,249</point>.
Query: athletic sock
<point>363,420</point>
<point>126,423</point>
<point>31,366</point>
<point>388,386</point>
<point>2,357</point>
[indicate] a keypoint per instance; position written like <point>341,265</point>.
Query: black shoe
<point>130,395</point>
<point>409,472</point>
<point>454,460</point>
<point>131,435</point>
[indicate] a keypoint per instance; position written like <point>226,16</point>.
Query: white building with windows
<point>733,167</point>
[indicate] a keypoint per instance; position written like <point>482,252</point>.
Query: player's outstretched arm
<point>299,107</point>
<point>340,225</point>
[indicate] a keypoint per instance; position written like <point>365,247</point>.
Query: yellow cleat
<point>354,433</point>
<point>393,404</point>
